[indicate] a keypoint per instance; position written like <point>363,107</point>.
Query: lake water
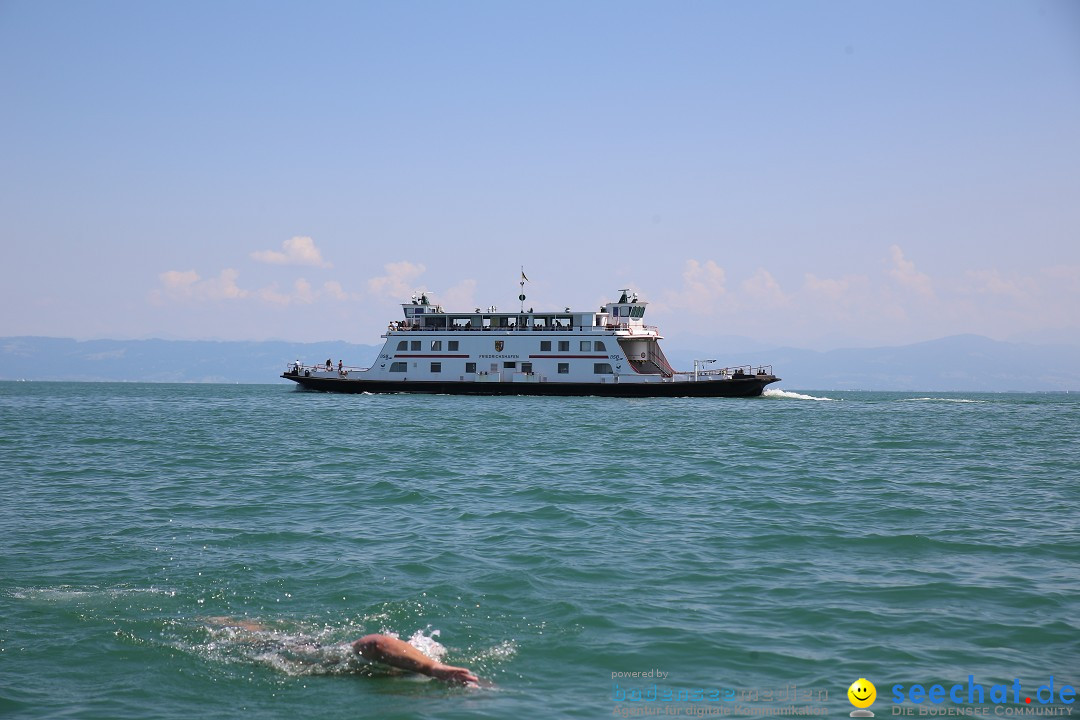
<point>746,548</point>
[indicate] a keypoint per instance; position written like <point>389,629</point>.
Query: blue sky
<point>816,174</point>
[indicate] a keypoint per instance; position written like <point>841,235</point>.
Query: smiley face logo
<point>862,694</point>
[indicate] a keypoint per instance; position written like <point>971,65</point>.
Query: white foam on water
<point>502,652</point>
<point>299,649</point>
<point>315,650</point>
<point>778,393</point>
<point>69,593</point>
<point>427,644</point>
<point>947,400</point>
<point>296,649</point>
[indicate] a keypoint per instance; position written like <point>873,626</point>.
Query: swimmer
<point>382,649</point>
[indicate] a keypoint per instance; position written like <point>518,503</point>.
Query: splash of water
<point>778,393</point>
<point>294,649</point>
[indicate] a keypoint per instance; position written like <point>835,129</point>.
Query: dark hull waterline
<point>750,386</point>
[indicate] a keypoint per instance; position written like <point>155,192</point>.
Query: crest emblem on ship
<point>499,345</point>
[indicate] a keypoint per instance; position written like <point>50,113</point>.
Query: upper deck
<point>622,317</point>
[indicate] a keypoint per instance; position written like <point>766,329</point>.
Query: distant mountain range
<point>961,362</point>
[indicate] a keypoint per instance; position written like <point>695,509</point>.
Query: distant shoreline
<point>962,363</point>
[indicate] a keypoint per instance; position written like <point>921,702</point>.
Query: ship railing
<point>294,368</point>
<point>643,329</point>
<point>735,371</point>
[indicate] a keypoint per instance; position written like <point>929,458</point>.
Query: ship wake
<point>778,393</point>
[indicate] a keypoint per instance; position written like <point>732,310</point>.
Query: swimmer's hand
<point>451,674</point>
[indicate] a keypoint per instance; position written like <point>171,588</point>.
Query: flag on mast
<point>523,278</point>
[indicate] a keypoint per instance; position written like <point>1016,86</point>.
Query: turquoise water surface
<point>783,544</point>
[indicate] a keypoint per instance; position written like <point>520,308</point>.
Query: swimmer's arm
<point>400,654</point>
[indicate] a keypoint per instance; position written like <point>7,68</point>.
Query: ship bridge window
<point>599,345</point>
<point>403,345</point>
<point>601,368</point>
<point>398,367</point>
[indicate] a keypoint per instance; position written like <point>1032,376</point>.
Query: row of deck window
<point>545,345</point>
<point>470,367</point>
<point>451,345</point>
<point>583,346</point>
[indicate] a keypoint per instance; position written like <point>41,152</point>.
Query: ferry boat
<point>611,352</point>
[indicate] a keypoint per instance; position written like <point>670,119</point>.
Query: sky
<point>811,174</point>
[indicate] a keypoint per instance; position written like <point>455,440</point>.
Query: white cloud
<point>180,280</point>
<point>460,297</point>
<point>762,287</point>
<point>297,250</point>
<point>703,289</point>
<point>301,294</point>
<point>187,285</point>
<point>398,283</point>
<point>704,282</point>
<point>837,290</point>
<point>904,272</point>
<point>333,289</point>
<point>271,294</point>
<point>224,286</point>
<point>991,282</point>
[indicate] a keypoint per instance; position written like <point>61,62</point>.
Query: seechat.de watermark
<point>971,698</point>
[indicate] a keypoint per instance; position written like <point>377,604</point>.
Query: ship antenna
<point>521,294</point>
